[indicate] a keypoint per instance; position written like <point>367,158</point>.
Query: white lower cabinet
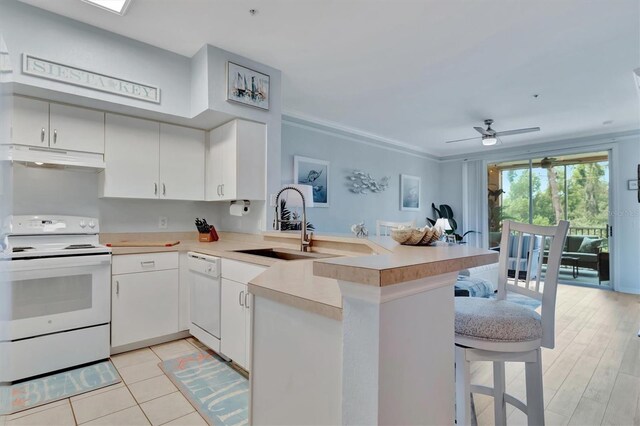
<point>145,298</point>
<point>234,319</point>
<point>236,307</point>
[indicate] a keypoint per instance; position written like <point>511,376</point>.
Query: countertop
<point>312,285</point>
<point>404,263</point>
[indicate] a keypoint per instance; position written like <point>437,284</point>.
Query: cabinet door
<point>233,333</point>
<point>132,158</point>
<point>251,156</point>
<point>30,124</point>
<point>214,163</point>
<point>144,306</point>
<point>181,163</point>
<point>248,304</point>
<point>76,129</point>
<point>228,144</point>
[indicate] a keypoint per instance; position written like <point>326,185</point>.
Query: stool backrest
<point>384,227</point>
<point>523,241</point>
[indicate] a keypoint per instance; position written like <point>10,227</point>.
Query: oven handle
<point>55,262</point>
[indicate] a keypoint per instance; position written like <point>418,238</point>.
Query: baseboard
<point>150,342</point>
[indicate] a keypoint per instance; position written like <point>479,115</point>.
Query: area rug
<point>46,389</point>
<point>215,389</point>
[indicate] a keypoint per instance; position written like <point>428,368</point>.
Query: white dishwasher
<point>204,287</point>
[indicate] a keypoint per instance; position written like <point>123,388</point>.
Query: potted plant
<point>445,212</point>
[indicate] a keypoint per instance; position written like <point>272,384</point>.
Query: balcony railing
<point>600,232</point>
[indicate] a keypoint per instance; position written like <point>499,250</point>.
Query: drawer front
<point>132,263</point>
<point>240,272</point>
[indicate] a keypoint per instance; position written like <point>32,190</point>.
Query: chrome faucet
<point>305,237</point>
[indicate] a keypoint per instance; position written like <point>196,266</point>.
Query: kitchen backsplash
<point>55,191</point>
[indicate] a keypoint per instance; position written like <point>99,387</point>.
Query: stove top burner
<point>21,249</point>
<point>79,246</point>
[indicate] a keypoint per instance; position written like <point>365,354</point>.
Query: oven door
<point>48,295</point>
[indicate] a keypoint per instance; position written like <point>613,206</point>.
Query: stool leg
<point>499,405</point>
<point>535,397</point>
<point>463,388</point>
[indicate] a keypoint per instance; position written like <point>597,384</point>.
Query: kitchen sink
<point>285,254</point>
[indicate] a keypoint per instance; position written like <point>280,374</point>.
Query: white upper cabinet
<point>181,163</point>
<point>39,123</point>
<point>30,124</point>
<point>236,158</point>
<point>147,159</point>
<point>132,158</point>
<point>76,129</point>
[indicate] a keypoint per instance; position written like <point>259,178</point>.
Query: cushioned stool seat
<point>496,320</point>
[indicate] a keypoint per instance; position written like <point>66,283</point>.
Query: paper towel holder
<point>245,204</point>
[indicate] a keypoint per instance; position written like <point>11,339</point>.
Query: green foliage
<point>446,212</point>
<point>587,197</point>
<point>286,214</point>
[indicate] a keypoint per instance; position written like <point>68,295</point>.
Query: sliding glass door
<point>546,190</point>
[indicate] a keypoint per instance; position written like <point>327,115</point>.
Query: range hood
<point>54,158</point>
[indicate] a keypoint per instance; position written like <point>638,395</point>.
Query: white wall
<point>625,216</point>
<point>346,154</point>
<point>54,191</point>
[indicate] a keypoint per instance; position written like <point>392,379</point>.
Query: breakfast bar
<point>358,339</point>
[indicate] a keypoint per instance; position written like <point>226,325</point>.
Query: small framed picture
<point>409,193</point>
<point>247,86</point>
<point>309,171</point>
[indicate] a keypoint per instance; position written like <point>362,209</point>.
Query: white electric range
<point>55,295</point>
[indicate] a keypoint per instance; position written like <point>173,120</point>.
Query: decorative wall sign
<point>363,183</point>
<point>309,171</point>
<point>44,68</point>
<point>247,86</point>
<point>409,193</point>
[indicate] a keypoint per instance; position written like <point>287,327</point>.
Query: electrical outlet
<point>163,221</point>
<point>272,200</point>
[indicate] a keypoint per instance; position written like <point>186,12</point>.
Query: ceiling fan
<point>490,136</point>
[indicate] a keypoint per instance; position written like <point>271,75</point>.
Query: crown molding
<point>355,135</point>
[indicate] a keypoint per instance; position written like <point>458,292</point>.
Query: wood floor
<point>592,376</point>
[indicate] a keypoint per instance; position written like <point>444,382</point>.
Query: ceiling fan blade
<point>462,140</point>
<point>482,131</point>
<point>518,131</point>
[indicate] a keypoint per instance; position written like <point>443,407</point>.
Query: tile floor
<point>592,377</point>
<point>145,396</point>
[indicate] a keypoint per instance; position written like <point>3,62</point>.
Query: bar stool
<point>501,331</point>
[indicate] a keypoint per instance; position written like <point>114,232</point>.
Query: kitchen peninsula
<point>364,339</point>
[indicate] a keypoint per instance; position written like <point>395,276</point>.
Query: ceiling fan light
<point>489,140</point>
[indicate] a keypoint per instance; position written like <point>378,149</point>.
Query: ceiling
<point>418,72</point>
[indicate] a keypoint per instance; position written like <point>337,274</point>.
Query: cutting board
<point>143,244</point>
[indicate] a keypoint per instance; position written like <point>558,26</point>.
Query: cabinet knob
<point>55,136</point>
<point>241,298</point>
<point>42,135</point>
<point>164,189</point>
<point>246,300</point>
<point>117,287</point>
<point>155,189</point>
